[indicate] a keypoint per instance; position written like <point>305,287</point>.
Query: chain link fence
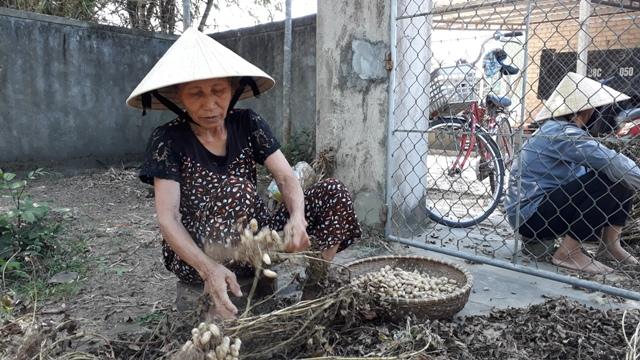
<point>478,171</point>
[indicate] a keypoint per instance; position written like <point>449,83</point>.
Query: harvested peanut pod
<point>215,332</point>
<point>235,347</point>
<point>187,345</point>
<point>266,259</point>
<point>205,338</point>
<point>195,336</point>
<point>276,237</point>
<point>223,349</point>
<point>253,225</point>
<point>189,352</point>
<point>261,237</point>
<point>269,273</point>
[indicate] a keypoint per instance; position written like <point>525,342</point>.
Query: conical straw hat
<point>576,93</point>
<point>195,56</point>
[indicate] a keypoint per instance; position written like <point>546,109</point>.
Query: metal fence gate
<point>469,80</point>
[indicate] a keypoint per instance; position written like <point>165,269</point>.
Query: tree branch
<point>132,10</point>
<point>205,16</point>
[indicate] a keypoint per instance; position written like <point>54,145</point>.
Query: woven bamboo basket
<point>429,308</point>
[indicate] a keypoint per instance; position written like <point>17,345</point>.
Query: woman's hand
<point>218,280</point>
<point>295,231</point>
<point>295,234</point>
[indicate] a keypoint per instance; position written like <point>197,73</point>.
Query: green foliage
<point>21,230</point>
<point>74,9</point>
<point>301,147</point>
<point>152,318</point>
<point>29,248</point>
<point>39,289</point>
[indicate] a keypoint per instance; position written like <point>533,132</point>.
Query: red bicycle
<point>470,147</point>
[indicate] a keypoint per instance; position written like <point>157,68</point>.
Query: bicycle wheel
<point>461,194</point>
<point>504,139</point>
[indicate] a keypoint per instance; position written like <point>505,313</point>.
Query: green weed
<point>31,249</point>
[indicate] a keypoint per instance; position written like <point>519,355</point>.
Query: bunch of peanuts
<point>209,343</point>
<point>255,246</point>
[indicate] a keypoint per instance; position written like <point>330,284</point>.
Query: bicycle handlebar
<point>512,34</point>
<point>496,36</point>
<point>473,64</point>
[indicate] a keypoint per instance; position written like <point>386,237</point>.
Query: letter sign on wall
<point>619,66</point>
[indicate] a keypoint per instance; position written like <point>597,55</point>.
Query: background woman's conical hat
<point>576,93</point>
<point>195,56</point>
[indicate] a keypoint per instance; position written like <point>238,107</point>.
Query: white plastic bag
<point>302,171</point>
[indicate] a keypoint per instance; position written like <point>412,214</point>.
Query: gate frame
<point>513,265</point>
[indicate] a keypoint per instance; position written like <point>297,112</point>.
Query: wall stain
<point>348,78</point>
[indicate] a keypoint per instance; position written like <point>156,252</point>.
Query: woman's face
<point>206,101</point>
<point>582,117</point>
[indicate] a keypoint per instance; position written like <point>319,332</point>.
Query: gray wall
<point>351,42</point>
<point>63,84</point>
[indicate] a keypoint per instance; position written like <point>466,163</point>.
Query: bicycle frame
<point>493,127</point>
<point>475,113</point>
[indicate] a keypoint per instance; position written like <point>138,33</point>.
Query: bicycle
<point>473,126</point>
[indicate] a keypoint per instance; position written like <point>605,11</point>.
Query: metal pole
<point>520,136</point>
<point>523,269</point>
<point>390,114</point>
<point>584,39</point>
<point>525,67</point>
<point>186,14</point>
<point>286,76</point>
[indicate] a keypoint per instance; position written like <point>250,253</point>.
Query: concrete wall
<point>63,86</point>
<point>352,39</point>
<point>64,83</point>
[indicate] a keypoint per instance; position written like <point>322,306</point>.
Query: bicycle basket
<point>452,89</point>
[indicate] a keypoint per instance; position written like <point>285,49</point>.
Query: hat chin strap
<point>146,103</point>
<point>244,82</point>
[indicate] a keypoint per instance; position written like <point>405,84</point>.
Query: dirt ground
<point>113,211</point>
<point>127,294</point>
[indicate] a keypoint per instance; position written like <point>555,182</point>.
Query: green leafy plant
<point>26,235</point>
<point>301,147</point>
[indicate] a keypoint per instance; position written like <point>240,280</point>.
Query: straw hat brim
<point>576,93</point>
<point>195,56</point>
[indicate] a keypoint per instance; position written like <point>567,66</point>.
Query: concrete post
<point>584,39</point>
<point>186,14</point>
<point>408,167</point>
<point>352,40</point>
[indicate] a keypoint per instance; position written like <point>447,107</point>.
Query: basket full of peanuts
<point>412,285</point>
